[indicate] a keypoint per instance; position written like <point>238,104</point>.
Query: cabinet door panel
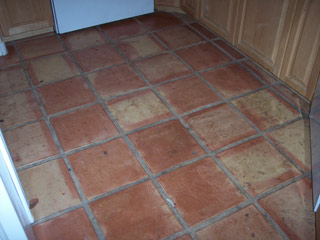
<point>170,3</point>
<point>190,7</point>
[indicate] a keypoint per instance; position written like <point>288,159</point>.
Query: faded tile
<point>258,166</point>
<point>259,71</point>
<point>106,167</point>
<point>12,79</point>
<point>184,237</point>
<point>159,20</point>
<point>166,145</point>
<point>140,210</point>
<point>11,58</point>
<point>203,30</point>
<point>200,191</point>
<point>235,54</point>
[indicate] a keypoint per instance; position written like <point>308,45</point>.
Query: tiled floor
<point>154,128</point>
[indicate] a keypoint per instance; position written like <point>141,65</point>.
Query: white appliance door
<point>70,15</point>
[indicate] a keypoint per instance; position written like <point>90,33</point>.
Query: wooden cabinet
<point>170,3</point>
<point>191,7</point>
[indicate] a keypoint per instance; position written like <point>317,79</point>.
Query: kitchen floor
<point>154,128</point>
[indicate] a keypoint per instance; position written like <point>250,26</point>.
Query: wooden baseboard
<point>169,8</point>
<point>28,34</point>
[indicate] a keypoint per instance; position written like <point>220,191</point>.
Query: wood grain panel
<point>191,7</point>
<point>170,3</point>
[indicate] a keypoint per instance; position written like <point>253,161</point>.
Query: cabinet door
<point>170,3</point>
<point>220,16</point>
<point>190,6</point>
<point>301,64</point>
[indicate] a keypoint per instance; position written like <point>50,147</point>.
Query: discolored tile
<point>162,68</point>
<point>203,56</point>
<point>248,223</point>
<point>12,79</point>
<point>265,109</point>
<point>200,191</point>
<point>50,69</point>
<point>292,209</point>
<point>219,126</point>
<point>166,145</point>
<point>187,94</point>
<point>106,167</point>
<point>79,128</point>
<point>113,81</point>
<point>294,140</point>
<point>235,54</point>
<point>52,185</point>
<point>140,210</point>
<point>259,71</point>
<point>159,20</point>
<point>258,166</point>
<point>18,108</point>
<point>11,58</point>
<point>82,38</point>
<point>30,143</point>
<point>231,80</point>
<point>203,30</point>
<point>70,226</point>
<point>141,46</point>
<point>184,237</point>
<point>66,94</point>
<point>122,29</point>
<point>138,109</point>
<point>97,57</point>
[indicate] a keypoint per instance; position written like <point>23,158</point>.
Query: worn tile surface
<point>259,71</point>
<point>203,30</point>
<point>11,58</point>
<point>12,79</point>
<point>235,54</point>
<point>159,20</point>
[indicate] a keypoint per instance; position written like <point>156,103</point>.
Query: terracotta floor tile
<point>188,93</point>
<point>248,223</point>
<point>166,145</point>
<point>232,80</point>
<point>235,54</point>
<point>203,56</point>
<point>204,31</point>
<point>39,47</point>
<point>12,79</point>
<point>267,77</point>
<point>50,69</point>
<point>141,46</point>
<point>11,58</point>
<point>30,143</point>
<point>265,109</point>
<point>106,167</point>
<point>97,57</point>
<point>18,108</point>
<point>52,185</point>
<point>140,210</point>
<point>162,68</point>
<point>66,94</point>
<point>184,237</point>
<point>179,36</point>
<point>200,190</point>
<point>292,209</point>
<point>138,109</point>
<point>159,20</point>
<point>113,81</point>
<point>70,226</point>
<point>79,128</point>
<point>294,140</point>
<point>122,29</point>
<point>184,17</point>
<point>82,38</point>
<point>258,166</point>
<point>219,126</point>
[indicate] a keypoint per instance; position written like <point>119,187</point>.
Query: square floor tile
<point>159,20</point>
<point>11,58</point>
<point>113,81</point>
<point>82,38</point>
<point>39,47</point>
<point>65,94</point>
<point>140,210</point>
<point>232,80</point>
<point>50,69</point>
<point>219,126</point>
<point>97,57</point>
<point>235,54</point>
<point>84,126</point>
<point>248,223</point>
<point>106,167</point>
<point>141,46</point>
<point>18,108</point>
<point>12,79</point>
<point>30,143</point>
<point>185,18</point>
<point>294,140</point>
<point>162,68</point>
<point>184,237</point>
<point>187,94</point>
<point>200,191</point>
<point>138,109</point>
<point>122,29</point>
<point>203,31</point>
<point>52,185</point>
<point>259,71</point>
<point>179,37</point>
<point>203,56</point>
<point>292,209</point>
<point>265,109</point>
<point>72,226</point>
<point>166,145</point>
<point>258,166</point>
